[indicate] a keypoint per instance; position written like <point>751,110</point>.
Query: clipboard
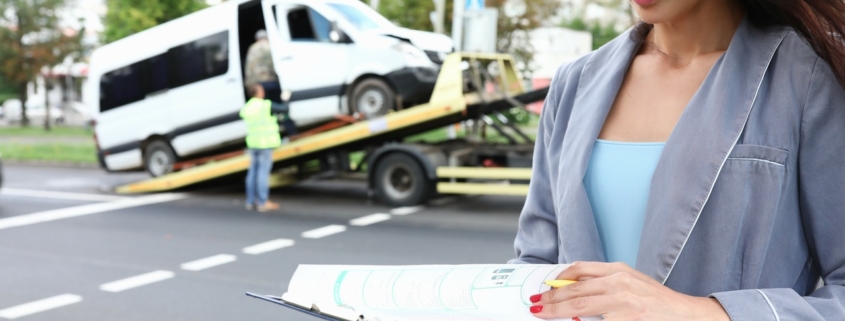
<point>312,311</point>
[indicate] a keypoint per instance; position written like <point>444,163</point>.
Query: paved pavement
<point>71,251</point>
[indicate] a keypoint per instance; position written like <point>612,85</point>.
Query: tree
<point>602,34</point>
<point>413,14</point>
<point>516,19</point>
<point>622,17</point>
<point>127,17</point>
<point>32,39</point>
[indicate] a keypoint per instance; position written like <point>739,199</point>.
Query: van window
<point>357,17</point>
<point>199,60</point>
<point>305,24</point>
<point>158,78</point>
<point>122,86</point>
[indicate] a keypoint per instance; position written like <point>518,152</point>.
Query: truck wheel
<point>159,158</point>
<point>372,98</point>
<point>400,181</point>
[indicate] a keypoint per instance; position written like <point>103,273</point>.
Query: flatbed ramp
<point>448,105</point>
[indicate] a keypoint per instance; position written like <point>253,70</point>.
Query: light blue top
<point>618,179</point>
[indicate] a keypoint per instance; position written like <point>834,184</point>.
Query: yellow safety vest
<point>262,126</point>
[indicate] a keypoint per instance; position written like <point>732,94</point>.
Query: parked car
<point>36,113</point>
<point>174,91</point>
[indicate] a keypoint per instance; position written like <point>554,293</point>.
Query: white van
<point>173,92</point>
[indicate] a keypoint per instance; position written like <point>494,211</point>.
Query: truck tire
<point>371,98</point>
<point>159,158</point>
<point>400,181</point>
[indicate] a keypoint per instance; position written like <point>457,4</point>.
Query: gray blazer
<point>747,203</point>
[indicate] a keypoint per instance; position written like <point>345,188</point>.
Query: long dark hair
<point>820,22</point>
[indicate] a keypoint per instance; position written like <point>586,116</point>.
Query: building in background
<point>554,46</point>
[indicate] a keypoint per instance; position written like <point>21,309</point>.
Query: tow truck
<point>471,88</point>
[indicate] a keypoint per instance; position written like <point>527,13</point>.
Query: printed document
<point>426,292</point>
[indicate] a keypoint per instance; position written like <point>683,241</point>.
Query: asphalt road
<point>62,253</point>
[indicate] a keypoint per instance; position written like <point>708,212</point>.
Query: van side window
<point>157,74</point>
<point>122,86</point>
<point>199,60</point>
<point>305,24</point>
<point>194,61</point>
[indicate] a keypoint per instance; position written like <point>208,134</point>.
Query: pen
<point>559,283</point>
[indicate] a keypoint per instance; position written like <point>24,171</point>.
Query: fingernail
<point>535,298</point>
<point>536,308</point>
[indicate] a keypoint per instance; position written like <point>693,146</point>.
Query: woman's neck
<point>706,28</point>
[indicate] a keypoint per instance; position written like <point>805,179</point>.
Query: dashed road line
<point>407,210</point>
<point>323,231</point>
<point>59,195</point>
<point>88,209</point>
<point>208,262</point>
<point>39,306</point>
<point>136,281</point>
<point>370,219</point>
<point>268,246</point>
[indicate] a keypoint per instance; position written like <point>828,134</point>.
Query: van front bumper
<point>415,84</point>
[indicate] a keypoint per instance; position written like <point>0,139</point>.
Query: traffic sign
<point>474,4</point>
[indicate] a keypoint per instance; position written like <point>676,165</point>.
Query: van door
<point>206,92</point>
<point>308,63</point>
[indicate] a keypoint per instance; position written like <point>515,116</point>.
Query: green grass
<point>58,152</point>
<point>38,130</point>
<point>36,144</point>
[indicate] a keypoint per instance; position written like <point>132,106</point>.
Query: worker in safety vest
<point>262,137</point>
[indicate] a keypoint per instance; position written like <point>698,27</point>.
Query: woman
<point>705,150</point>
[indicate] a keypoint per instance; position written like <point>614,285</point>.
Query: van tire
<point>372,97</point>
<point>401,181</point>
<point>159,158</point>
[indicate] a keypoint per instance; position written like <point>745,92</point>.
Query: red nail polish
<point>535,298</point>
<point>536,308</point>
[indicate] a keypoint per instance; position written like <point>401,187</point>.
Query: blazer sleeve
<point>537,238</point>
<point>821,179</point>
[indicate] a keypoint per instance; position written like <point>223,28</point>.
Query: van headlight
<point>413,53</point>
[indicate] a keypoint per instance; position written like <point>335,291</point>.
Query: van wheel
<point>372,98</point>
<point>159,158</point>
<point>400,181</point>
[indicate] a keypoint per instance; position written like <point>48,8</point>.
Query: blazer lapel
<point>599,82</point>
<point>694,154</point>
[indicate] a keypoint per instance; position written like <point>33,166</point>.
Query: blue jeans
<point>258,176</point>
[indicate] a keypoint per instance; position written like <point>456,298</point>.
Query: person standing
<point>259,67</point>
<point>262,137</point>
<point>693,168</point>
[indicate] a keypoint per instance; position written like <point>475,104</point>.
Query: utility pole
<point>458,24</point>
<point>439,18</point>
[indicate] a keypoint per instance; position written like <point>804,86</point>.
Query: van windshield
<point>359,18</point>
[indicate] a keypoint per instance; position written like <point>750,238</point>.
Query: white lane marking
<point>39,306</point>
<point>208,262</point>
<point>268,246</point>
<point>323,231</point>
<point>87,209</point>
<point>60,195</point>
<point>136,281</point>
<point>370,219</point>
<point>406,210</point>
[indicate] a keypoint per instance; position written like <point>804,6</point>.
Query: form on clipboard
<point>417,292</point>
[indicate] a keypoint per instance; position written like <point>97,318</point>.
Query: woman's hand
<point>618,292</point>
